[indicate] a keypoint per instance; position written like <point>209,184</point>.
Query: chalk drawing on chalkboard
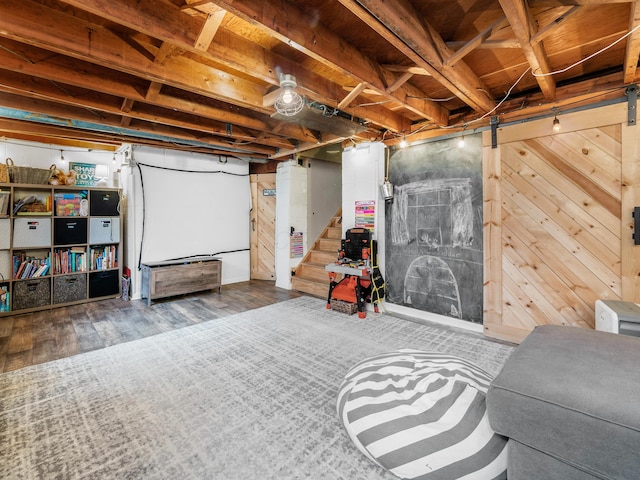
<point>436,217</point>
<point>430,285</point>
<point>433,213</point>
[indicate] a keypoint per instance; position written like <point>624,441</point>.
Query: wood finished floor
<point>39,337</point>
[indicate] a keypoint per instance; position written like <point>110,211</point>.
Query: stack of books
<point>29,267</point>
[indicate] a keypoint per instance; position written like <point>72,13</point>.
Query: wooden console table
<point>178,277</point>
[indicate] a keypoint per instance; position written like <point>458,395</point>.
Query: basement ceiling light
<point>289,102</point>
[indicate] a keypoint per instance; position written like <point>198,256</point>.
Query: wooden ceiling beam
<point>415,70</point>
<point>65,34</point>
<point>209,30</point>
<point>476,41</point>
<point>563,15</point>
<point>401,80</point>
<point>73,137</point>
<point>18,85</point>
<point>522,23</point>
<point>286,22</point>
<point>351,96</point>
<point>564,3</point>
<point>487,44</point>
<point>173,26</point>
<point>94,77</point>
<point>399,24</point>
<point>57,135</point>
<point>160,20</point>
<point>63,70</point>
<point>632,52</point>
<point>142,123</point>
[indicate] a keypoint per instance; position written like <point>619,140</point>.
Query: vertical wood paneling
<point>263,221</point>
<point>492,240</point>
<point>630,199</point>
<point>560,222</point>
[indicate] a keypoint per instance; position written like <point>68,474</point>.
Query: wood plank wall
<point>557,221</point>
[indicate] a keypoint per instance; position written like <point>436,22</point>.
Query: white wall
<point>291,212</point>
<point>362,175</point>
<point>324,195</point>
<point>235,266</point>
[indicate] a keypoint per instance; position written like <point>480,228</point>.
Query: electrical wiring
<point>589,57</point>
<point>452,97</point>
<point>534,74</point>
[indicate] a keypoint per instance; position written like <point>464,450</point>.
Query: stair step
<point>309,286</point>
<point>329,244</point>
<point>313,271</point>
<point>321,257</point>
<point>334,232</point>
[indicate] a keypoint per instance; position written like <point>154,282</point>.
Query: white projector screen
<point>193,213</point>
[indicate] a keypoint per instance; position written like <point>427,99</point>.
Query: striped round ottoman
<point>422,415</point>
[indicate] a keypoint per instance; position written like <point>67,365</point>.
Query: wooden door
<point>263,226</point>
<point>558,225</point>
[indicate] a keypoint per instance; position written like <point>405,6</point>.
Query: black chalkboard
<point>434,258</point>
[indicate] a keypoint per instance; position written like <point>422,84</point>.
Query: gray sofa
<point>568,399</point>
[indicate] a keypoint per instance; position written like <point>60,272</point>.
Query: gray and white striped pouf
<point>422,416</point>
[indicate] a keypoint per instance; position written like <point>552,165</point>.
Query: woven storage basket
<point>4,173</point>
<point>31,175</point>
<point>344,307</point>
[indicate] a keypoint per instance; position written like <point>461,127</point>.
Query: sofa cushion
<point>421,414</point>
<point>526,463</point>
<point>572,394</point>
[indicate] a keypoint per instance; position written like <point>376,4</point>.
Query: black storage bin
<point>69,288</point>
<point>104,203</point>
<point>103,284</point>
<point>35,292</point>
<point>69,231</point>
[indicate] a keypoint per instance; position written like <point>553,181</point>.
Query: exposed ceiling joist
<point>202,74</point>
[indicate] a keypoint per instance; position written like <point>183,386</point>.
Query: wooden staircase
<point>310,276</point>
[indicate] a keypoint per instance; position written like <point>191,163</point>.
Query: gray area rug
<point>249,396</point>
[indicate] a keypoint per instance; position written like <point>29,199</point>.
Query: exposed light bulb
<point>114,158</point>
<point>403,143</point>
<point>289,102</point>
<point>287,96</point>
<point>461,142</point>
<point>62,160</point>
<point>556,125</point>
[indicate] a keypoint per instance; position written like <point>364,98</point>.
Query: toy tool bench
<point>361,279</point>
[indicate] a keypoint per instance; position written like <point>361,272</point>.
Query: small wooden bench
<point>179,277</point>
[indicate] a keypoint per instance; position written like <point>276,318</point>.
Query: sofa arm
<point>573,394</point>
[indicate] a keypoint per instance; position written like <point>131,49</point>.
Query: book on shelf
<point>29,267</point>
<point>104,257</point>
<point>70,260</point>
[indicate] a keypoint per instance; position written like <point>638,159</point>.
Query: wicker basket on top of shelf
<point>35,176</point>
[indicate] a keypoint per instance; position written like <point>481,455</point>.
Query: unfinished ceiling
<point>203,75</point>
